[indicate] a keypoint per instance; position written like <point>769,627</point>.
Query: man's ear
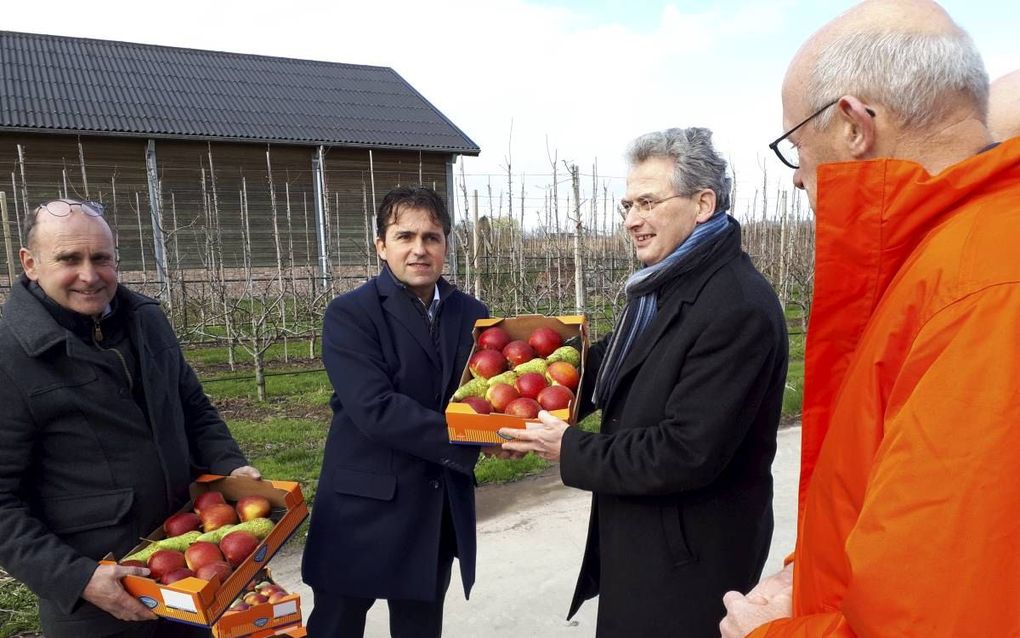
<point>860,134</point>
<point>706,205</point>
<point>380,248</point>
<point>28,263</point>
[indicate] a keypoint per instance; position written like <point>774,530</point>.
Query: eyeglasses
<point>788,153</point>
<point>642,206</point>
<point>63,207</point>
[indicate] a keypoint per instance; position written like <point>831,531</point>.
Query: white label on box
<point>285,609</point>
<point>177,600</point>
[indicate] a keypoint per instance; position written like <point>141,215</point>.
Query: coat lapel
<point>395,304</point>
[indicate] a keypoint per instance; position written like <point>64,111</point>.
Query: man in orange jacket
<point>910,474</point>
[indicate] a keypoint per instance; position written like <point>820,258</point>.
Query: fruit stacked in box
<point>261,606</point>
<point>518,366</point>
<point>204,555</point>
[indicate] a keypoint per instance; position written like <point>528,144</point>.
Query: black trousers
<point>339,616</point>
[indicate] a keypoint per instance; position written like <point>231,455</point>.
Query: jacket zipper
<point>97,336</point>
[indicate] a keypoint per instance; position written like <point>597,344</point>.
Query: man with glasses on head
<point>910,478</point>
<point>690,384</point>
<point>104,426</point>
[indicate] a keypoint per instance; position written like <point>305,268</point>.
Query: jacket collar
<point>871,217</point>
<point>36,330</point>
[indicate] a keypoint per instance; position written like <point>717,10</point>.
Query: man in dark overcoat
<point>104,427</point>
<point>690,384</point>
<point>395,502</point>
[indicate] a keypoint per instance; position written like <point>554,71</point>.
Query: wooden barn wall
<point>115,174</point>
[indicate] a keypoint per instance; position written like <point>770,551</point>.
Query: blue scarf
<point>642,290</point>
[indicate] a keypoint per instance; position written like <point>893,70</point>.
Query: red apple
<point>216,516</point>
<point>277,596</point>
<point>494,338</point>
<point>206,499</point>
<point>562,373</point>
<point>500,395</point>
<point>518,352</point>
<point>555,397</point>
<point>524,407</point>
<point>202,553</point>
<point>530,384</point>
<point>181,523</point>
<point>220,569</point>
<point>545,341</point>
<point>164,561</point>
<point>239,605</point>
<point>486,364</point>
<point>254,598</point>
<point>249,507</point>
<point>237,546</point>
<point>478,404</point>
<point>176,575</point>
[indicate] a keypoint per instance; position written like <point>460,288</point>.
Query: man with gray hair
<point>690,384</point>
<point>909,475</point>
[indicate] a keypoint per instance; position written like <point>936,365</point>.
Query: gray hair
<point>912,74</point>
<point>696,164</point>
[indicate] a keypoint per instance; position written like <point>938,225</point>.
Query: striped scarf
<point>642,301</point>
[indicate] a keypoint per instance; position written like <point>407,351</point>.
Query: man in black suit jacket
<point>395,501</point>
<point>104,426</point>
<point>690,384</point>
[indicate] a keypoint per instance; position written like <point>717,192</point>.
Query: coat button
<point>434,484</point>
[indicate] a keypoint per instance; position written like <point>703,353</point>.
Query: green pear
<point>535,365</point>
<point>565,353</point>
<point>473,388</point>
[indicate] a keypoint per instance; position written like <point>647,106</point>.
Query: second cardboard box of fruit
<point>184,596</point>
<point>509,369</point>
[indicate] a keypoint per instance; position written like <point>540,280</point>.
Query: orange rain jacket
<point>909,518</point>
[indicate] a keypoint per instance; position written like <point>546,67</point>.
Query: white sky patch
<point>568,79</point>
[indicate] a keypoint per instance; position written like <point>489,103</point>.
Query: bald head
<point>1004,107</point>
<point>907,55</point>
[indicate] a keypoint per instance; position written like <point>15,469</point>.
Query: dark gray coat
<point>681,473</point>
<point>81,472</point>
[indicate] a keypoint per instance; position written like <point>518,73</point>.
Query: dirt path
<point>530,540</point>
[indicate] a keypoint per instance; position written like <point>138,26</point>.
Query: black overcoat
<point>81,473</point>
<point>389,465</point>
<point>681,472</point>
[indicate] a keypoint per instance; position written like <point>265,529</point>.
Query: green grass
<point>309,388</point>
<point>297,349</point>
<point>284,448</point>
<point>18,609</point>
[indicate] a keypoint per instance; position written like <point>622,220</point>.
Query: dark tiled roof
<point>76,84</point>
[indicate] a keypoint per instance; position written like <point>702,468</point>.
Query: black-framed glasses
<point>63,207</point>
<point>785,149</point>
<point>642,206</point>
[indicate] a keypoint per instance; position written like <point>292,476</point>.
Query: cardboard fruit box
<point>466,426</point>
<point>199,602</point>
<point>262,619</point>
<point>292,631</point>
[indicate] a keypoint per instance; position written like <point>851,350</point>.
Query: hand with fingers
<point>744,614</point>
<point>497,452</point>
<point>104,590</point>
<point>544,440</point>
<point>247,471</point>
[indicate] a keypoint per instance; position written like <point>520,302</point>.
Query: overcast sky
<point>581,77</point>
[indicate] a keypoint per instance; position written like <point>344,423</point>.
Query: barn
<point>210,160</point>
